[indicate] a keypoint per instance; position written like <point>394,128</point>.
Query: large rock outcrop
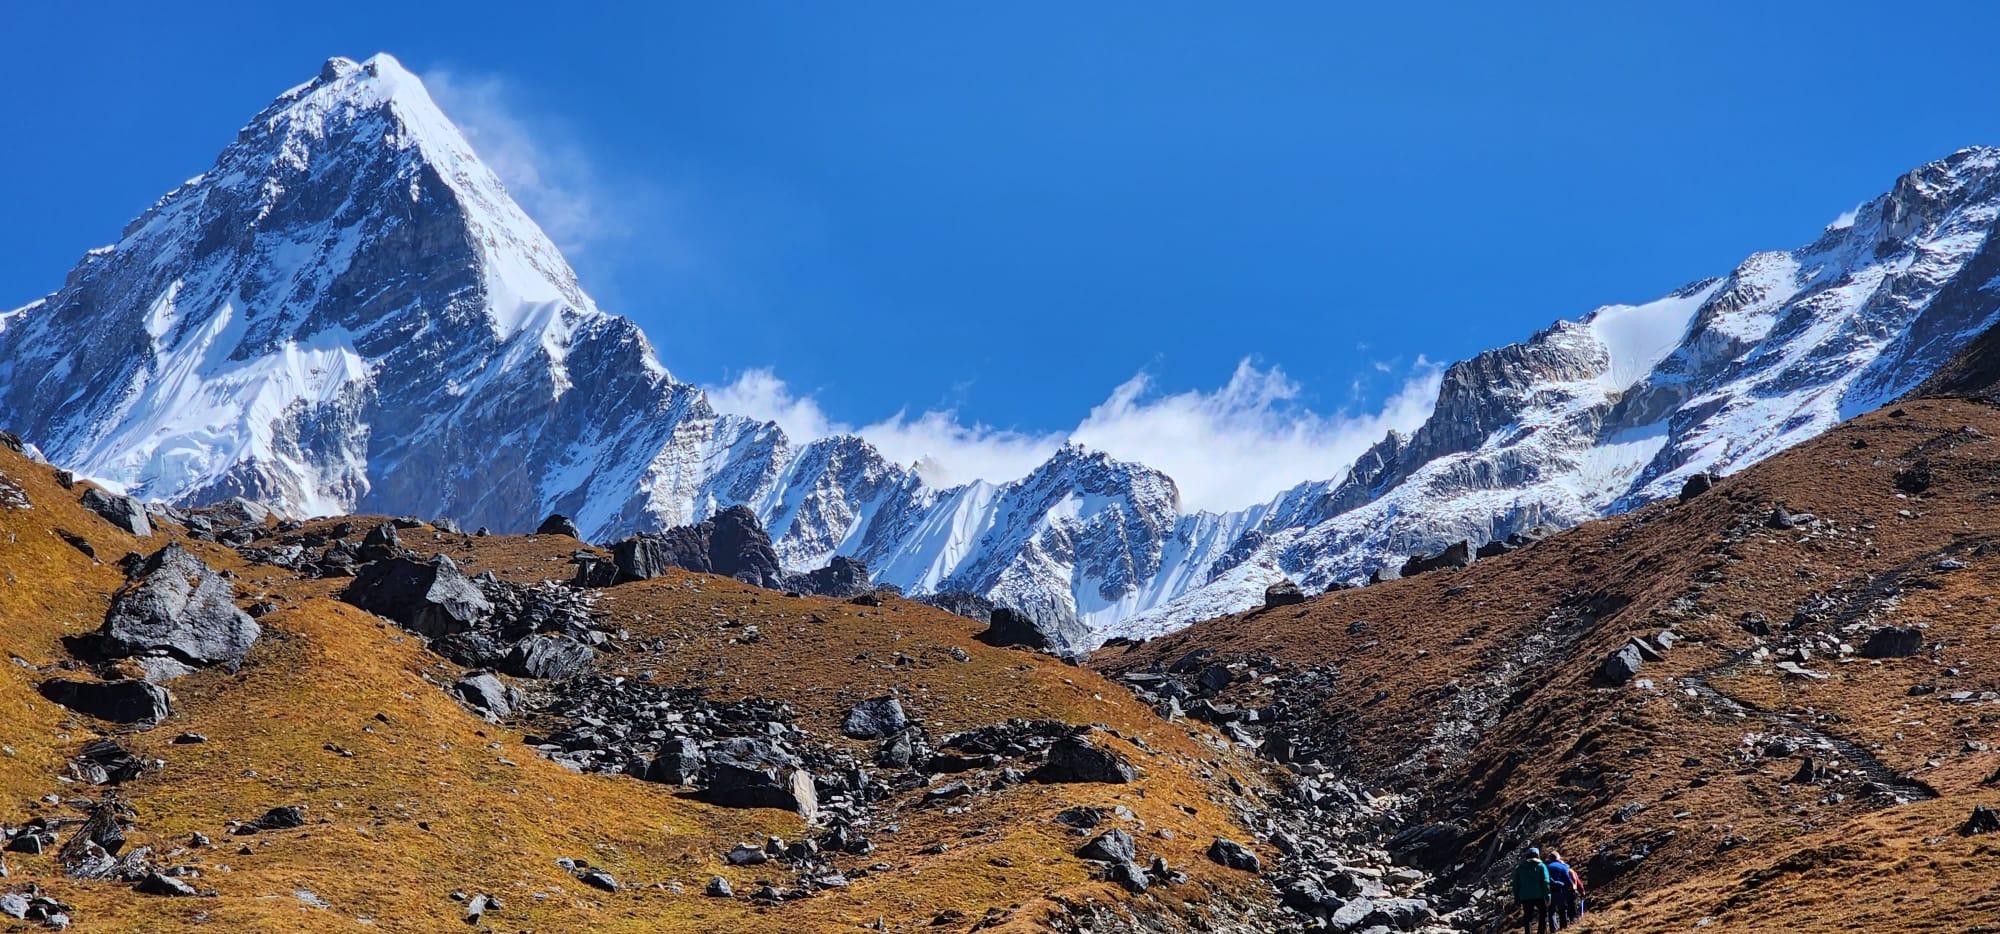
<point>731,543</point>
<point>177,606</point>
<point>432,597</point>
<point>123,701</point>
<point>1055,634</point>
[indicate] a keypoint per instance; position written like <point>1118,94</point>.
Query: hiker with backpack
<point>1531,891</point>
<point>1565,891</point>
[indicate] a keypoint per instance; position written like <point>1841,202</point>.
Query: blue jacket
<point>1531,881</point>
<point>1559,875</point>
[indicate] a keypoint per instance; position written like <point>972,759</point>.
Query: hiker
<point>1565,891</point>
<point>1531,891</point>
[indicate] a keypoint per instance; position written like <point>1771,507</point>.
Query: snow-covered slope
<point>1620,408</point>
<point>348,313</point>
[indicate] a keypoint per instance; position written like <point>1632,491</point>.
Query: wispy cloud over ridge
<point>553,178</point>
<point>1226,448</point>
<point>1238,444</point>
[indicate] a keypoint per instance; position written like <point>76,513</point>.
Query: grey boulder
<point>842,577</point>
<point>1057,633</point>
<point>731,543</point>
<point>755,772</point>
<point>1893,642</point>
<point>121,511</point>
<point>282,817</point>
<point>1622,665</point>
<point>157,883</point>
<point>1074,758</point>
<point>431,598</point>
<point>126,701</point>
<point>1111,846</point>
<point>178,606</point>
<point>1129,875</point>
<point>875,718</point>
<point>547,657</point>
<point>1283,593</point>
<point>678,762</point>
<point>486,695</point>
<point>1401,914</point>
<point>558,524</point>
<point>1232,855</point>
<point>1457,555</point>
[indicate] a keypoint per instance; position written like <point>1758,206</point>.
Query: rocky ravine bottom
<point>1720,708</point>
<point>1770,705</point>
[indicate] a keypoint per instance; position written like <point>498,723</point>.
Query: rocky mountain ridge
<point>349,314</point>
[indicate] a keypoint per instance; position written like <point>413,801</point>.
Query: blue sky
<point>1032,221</point>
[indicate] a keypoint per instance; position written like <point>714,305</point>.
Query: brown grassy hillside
<point>1477,692</point>
<point>409,797</point>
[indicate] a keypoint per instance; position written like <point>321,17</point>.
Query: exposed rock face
<point>1893,642</point>
<point>1455,556</point>
<point>875,718</point>
<point>432,598</point>
<point>129,701</point>
<point>121,511</point>
<point>1060,636</point>
<point>842,577</point>
<point>732,543</point>
<point>176,605</point>
<point>263,332</point>
<point>758,773</point>
<point>1631,403</point>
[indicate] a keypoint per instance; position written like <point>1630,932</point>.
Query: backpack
<point>1559,876</point>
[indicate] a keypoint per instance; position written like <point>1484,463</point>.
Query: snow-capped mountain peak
<point>1620,407</point>
<point>249,318</point>
<point>347,312</point>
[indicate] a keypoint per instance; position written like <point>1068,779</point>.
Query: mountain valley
<point>348,313</point>
<point>357,572</point>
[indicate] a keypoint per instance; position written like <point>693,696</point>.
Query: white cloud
<point>1240,444</point>
<point>760,394</point>
<point>551,177</point>
<point>945,451</point>
<point>948,453</point>
<point>1249,440</point>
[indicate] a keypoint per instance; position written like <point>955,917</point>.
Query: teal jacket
<point>1531,881</point>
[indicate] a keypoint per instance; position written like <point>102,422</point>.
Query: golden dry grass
<point>434,800</point>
